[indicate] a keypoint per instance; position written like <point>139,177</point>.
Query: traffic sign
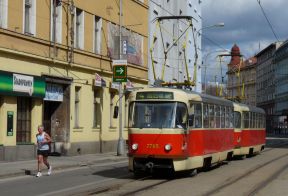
<point>120,71</point>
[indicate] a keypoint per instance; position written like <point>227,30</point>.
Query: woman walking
<point>43,145</point>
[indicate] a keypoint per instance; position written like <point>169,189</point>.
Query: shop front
<point>56,113</point>
<point>21,98</point>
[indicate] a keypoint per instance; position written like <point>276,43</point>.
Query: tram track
<point>117,186</point>
<point>252,171</point>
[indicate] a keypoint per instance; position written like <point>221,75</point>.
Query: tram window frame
<point>181,121</point>
<point>222,114</point>
<point>217,116</point>
<point>237,120</point>
<point>246,119</point>
<point>195,115</point>
<point>252,120</point>
<point>227,117</point>
<point>211,113</point>
<point>131,121</point>
<point>257,120</point>
<point>205,115</point>
<point>231,117</point>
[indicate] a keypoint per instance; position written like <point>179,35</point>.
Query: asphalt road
<point>264,174</point>
<point>76,181</point>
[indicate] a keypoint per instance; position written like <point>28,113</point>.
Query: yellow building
<point>56,69</point>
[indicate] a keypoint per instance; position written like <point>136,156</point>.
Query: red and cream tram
<point>249,129</point>
<point>177,129</point>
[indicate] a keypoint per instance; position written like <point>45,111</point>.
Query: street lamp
<point>220,24</point>
<point>206,65</point>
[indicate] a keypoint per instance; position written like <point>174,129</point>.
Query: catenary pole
<point>120,147</point>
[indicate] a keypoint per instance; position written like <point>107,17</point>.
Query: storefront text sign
<point>22,83</point>
<point>54,92</point>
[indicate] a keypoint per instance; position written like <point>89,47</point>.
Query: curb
<point>28,172</point>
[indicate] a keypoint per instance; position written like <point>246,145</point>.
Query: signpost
<point>119,70</point>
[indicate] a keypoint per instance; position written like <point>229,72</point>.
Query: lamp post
<point>220,24</point>
<point>206,65</point>
<point>120,147</point>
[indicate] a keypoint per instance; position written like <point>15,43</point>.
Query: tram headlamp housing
<point>168,147</point>
<point>134,146</point>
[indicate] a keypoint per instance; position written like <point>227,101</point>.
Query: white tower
<point>162,38</point>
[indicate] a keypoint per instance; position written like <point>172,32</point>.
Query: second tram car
<point>249,129</point>
<point>177,129</point>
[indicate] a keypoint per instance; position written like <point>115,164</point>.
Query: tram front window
<point>153,115</point>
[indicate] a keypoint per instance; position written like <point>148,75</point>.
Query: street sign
<point>120,71</point>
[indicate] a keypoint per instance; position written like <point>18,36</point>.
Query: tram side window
<point>257,120</point>
<point>131,121</point>
<point>198,115</point>
<point>252,120</point>
<point>205,116</point>
<point>237,120</point>
<point>212,123</point>
<point>181,116</point>
<point>227,117</point>
<point>217,116</point>
<point>246,119</point>
<point>222,116</point>
<point>231,117</point>
<point>195,118</point>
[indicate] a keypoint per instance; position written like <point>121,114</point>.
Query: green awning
<point>15,84</point>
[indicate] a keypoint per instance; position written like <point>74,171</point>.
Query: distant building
<point>242,78</point>
<point>281,85</point>
<point>265,78</point>
<point>164,37</point>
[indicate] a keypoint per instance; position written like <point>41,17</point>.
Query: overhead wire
<point>268,21</point>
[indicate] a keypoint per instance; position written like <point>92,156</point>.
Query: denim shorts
<point>44,153</point>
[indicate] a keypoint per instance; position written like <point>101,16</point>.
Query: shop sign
<point>54,92</point>
<point>23,83</point>
<point>15,84</point>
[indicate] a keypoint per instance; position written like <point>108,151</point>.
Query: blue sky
<point>245,25</point>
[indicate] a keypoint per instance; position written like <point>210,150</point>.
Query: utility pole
<point>120,147</point>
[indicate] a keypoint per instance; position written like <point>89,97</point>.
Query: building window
<point>3,13</point>
<point>97,109</point>
<point>23,120</point>
<point>30,17</point>
<point>97,34</point>
<point>77,106</point>
<point>79,29</point>
<point>56,29</point>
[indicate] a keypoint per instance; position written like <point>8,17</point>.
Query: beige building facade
<point>56,69</point>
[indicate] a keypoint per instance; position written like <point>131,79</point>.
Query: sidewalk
<point>29,167</point>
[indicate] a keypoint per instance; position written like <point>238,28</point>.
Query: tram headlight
<point>168,147</point>
<point>134,146</point>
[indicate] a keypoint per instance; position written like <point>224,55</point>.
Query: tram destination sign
<point>154,95</point>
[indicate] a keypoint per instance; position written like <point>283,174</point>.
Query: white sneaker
<point>49,170</point>
<point>39,174</point>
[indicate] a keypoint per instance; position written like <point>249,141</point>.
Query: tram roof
<point>190,95</point>
<point>244,107</point>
